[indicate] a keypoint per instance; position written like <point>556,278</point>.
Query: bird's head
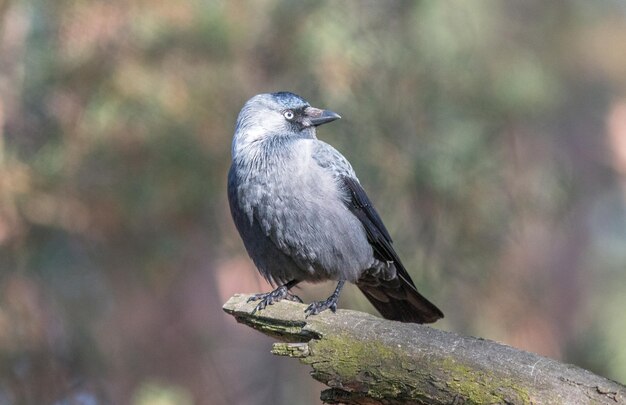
<point>280,114</point>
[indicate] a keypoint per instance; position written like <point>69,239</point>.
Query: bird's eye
<point>288,115</point>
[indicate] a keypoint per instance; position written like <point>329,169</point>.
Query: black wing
<point>396,298</point>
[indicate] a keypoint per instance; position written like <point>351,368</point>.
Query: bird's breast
<point>291,175</point>
<point>299,206</point>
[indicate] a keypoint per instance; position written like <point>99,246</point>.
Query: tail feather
<point>412,307</point>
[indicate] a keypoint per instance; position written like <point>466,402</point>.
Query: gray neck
<point>271,152</point>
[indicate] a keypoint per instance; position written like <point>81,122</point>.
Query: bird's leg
<point>278,294</point>
<point>330,303</point>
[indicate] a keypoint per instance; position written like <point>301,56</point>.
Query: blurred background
<point>491,136</point>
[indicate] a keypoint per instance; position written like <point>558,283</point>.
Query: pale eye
<point>288,115</point>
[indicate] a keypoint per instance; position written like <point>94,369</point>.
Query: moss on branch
<point>368,360</point>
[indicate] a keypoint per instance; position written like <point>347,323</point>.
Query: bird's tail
<point>398,300</point>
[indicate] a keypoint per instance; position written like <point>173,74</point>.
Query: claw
<point>294,298</point>
<point>319,306</point>
<point>330,303</point>
<point>271,297</point>
<point>256,297</point>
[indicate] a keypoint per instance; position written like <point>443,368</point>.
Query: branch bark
<point>369,360</point>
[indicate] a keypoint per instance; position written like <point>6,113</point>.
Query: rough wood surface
<point>369,360</point>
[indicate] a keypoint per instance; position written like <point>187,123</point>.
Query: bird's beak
<point>319,117</point>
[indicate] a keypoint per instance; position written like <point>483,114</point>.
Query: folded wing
<point>390,289</point>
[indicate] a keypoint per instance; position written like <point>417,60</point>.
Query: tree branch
<point>369,360</point>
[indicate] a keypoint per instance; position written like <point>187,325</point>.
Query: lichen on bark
<point>367,360</point>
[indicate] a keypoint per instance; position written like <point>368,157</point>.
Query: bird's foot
<point>270,298</point>
<point>319,306</point>
<point>293,297</point>
<point>330,303</point>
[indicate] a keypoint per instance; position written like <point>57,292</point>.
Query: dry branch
<point>369,360</point>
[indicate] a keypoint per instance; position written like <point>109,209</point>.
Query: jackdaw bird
<point>303,215</point>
